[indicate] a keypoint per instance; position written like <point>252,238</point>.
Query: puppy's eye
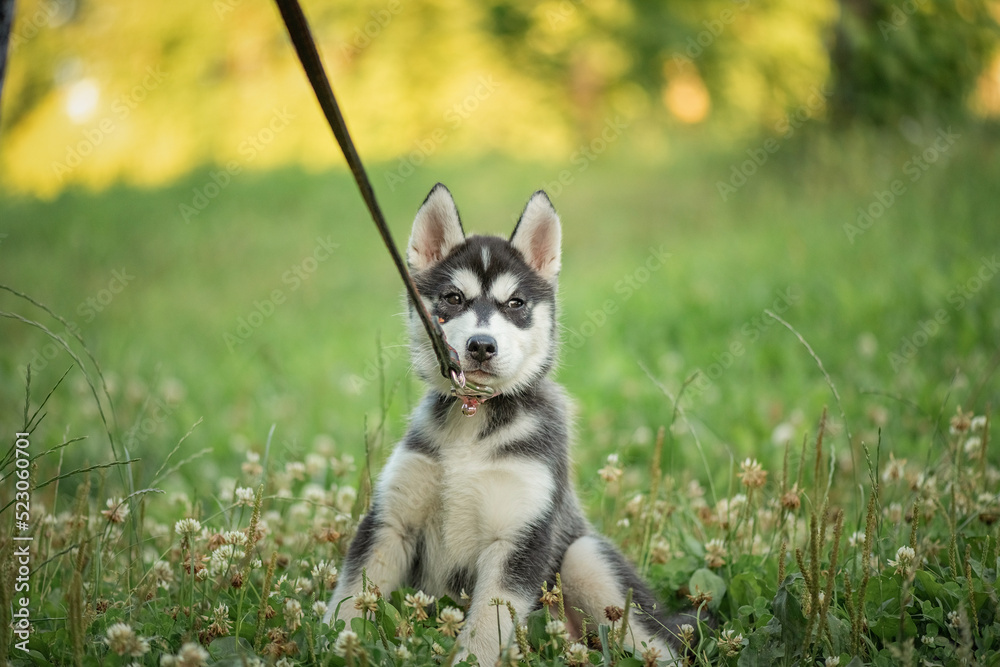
<point>453,298</point>
<point>515,303</point>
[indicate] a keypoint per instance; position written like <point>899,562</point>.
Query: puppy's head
<point>494,298</point>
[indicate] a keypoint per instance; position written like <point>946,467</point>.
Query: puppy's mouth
<point>477,373</point>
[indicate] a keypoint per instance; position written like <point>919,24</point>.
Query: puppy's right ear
<point>437,229</point>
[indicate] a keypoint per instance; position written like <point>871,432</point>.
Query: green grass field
<point>276,302</point>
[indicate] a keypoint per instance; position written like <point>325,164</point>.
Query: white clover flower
<point>303,586</point>
<point>973,447</point>
<point>122,640</point>
<point>731,643</point>
<point>895,469</point>
<point>227,489</point>
<point>633,507</point>
<point>252,467</point>
<point>857,538</point>
<point>509,657</point>
<point>237,537</point>
<point>651,656</point>
<point>752,474</point>
<point>163,573</point>
<point>315,464</point>
<point>325,574</point>
<point>347,642</point>
<point>894,512</point>
<point>577,654</point>
<point>313,493</point>
<point>402,653</point>
<point>293,614</point>
<point>117,510</point>
<point>905,557</point>
<point>611,472</point>
<point>187,527</point>
<point>245,496</point>
<point>296,470</point>
<point>556,629</point>
<point>221,559</point>
<point>366,601</point>
<point>346,495</point>
<point>450,621</point>
<point>419,602</point>
<point>832,661</point>
<point>978,423</point>
<point>191,655</point>
<point>715,553</point>
<point>319,608</point>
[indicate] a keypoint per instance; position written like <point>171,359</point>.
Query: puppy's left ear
<point>437,230</point>
<point>538,236</point>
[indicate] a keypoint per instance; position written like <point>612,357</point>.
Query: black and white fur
<point>484,504</point>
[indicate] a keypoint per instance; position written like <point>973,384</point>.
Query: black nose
<point>482,347</point>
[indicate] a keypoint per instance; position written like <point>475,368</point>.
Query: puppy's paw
<point>481,644</point>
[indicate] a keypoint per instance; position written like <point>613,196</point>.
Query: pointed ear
<point>437,229</point>
<point>538,236</point>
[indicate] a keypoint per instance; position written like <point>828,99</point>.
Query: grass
<point>903,319</point>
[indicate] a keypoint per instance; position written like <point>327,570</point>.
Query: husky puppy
<point>484,505</point>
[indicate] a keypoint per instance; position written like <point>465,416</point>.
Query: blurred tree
<point>916,58</point>
<point>747,60</point>
<point>99,92</point>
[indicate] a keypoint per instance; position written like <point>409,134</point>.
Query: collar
<point>471,394</point>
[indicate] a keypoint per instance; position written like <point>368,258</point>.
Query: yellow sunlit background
<point>114,91</point>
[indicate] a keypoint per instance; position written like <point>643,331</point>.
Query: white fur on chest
<point>479,499</point>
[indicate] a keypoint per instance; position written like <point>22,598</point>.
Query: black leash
<point>305,47</point>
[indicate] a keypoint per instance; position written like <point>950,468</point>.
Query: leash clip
<point>470,393</point>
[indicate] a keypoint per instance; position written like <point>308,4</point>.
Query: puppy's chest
<point>483,503</point>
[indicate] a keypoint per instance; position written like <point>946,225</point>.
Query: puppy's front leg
<point>385,545</point>
<point>505,573</point>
